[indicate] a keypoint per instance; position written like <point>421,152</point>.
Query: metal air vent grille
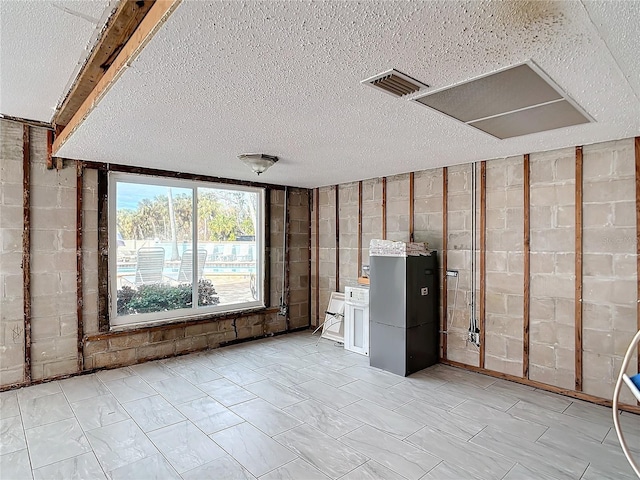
<point>395,83</point>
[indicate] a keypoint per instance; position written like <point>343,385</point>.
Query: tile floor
<point>284,408</point>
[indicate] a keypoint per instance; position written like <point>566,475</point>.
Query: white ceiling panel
<point>283,78</point>
<point>42,45</point>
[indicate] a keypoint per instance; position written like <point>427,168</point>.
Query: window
<point>155,226</point>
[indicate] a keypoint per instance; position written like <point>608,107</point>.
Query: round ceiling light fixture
<point>258,162</point>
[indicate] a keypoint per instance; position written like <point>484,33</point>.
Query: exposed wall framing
<point>543,386</point>
<point>26,247</point>
<point>637,165</point>
<point>114,167</point>
<point>483,258</point>
<point>117,31</point>
<point>526,246</point>
<point>79,280</point>
<point>316,199</point>
<point>158,14</point>
<point>267,247</point>
<point>445,235</point>
<point>411,205</point>
<point>578,266</point>
<point>103,251</point>
<point>286,295</point>
<point>384,208</point>
<point>359,272</point>
<point>337,202</point>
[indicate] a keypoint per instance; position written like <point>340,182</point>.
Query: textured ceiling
<point>283,78</point>
<point>42,46</point>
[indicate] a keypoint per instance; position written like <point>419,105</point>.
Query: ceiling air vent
<point>395,83</point>
<point>516,101</point>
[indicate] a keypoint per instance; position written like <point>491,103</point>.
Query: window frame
<point>195,312</point>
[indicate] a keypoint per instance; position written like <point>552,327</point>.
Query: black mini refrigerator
<point>404,313</point>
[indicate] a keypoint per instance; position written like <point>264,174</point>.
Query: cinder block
<point>552,376</point>
<point>12,356</point>
<point>597,265</point>
<point>542,355</point>
<point>165,335</point>
<point>12,216</point>
<point>501,282</point>
<point>515,307</point>
<point>11,376</point>
<point>93,347</point>
<point>565,169</point>
<point>156,350</point>
<point>191,344</point>
<point>495,345</point>
<point>596,316</point>
<point>624,265</point>
<point>62,367</point>
<point>515,350</point>
<point>620,190</point>
<point>541,171</point>
<point>597,341</point>
<point>115,359</point>
<point>503,365</point>
<point>618,240</point>
<point>515,171</point>
<point>597,215</point>
<point>624,213</point>
<point>53,349</point>
<point>45,328</point>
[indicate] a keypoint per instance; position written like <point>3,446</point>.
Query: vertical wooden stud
<point>637,151</point>
<point>103,252</point>
<point>317,208</point>
<point>266,293</point>
<point>384,208</point>
<point>359,272</point>
<point>527,266</point>
<point>79,295</point>
<point>445,235</point>
<point>286,295</point>
<point>50,164</point>
<point>337,191</point>
<point>26,248</point>
<point>578,272</point>
<point>411,205</point>
<point>483,258</point>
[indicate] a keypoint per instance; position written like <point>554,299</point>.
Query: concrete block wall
<point>552,317</point>
<point>53,265</point>
<point>504,265</point>
<point>459,258</point>
<point>90,251</point>
<point>398,208</point>
<point>609,257</point>
<point>327,252</point>
<point>54,323</point>
<point>299,256</point>
<point>11,225</point>
<point>427,214</point>
<point>348,234</point>
<point>102,350</point>
<point>609,263</point>
<point>371,214</point>
<point>277,229</point>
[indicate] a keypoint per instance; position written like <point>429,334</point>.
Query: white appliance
<point>356,320</point>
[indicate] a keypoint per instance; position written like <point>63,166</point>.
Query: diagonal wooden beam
<point>117,31</point>
<point>150,24</point>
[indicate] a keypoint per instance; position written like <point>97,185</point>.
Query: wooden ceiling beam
<point>128,31</point>
<point>117,31</point>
